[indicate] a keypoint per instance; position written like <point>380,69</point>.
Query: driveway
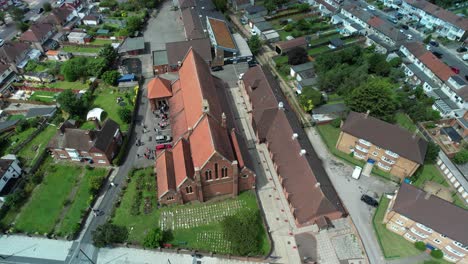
<point>350,191</point>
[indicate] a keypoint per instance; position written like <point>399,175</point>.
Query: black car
<point>216,68</point>
<point>405,27</point>
<point>461,49</point>
<point>252,63</point>
<point>369,200</point>
<point>437,54</point>
<point>40,10</point>
<point>434,43</point>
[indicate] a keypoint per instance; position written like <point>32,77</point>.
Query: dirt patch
<point>438,190</point>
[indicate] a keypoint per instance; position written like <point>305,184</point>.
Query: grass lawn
<point>82,201</point>
<point>15,117</point>
<point>43,96</point>
<point>34,148</point>
<point>43,209</point>
<point>405,122</point>
<point>392,245</point>
<point>17,138</point>
<point>324,38</point>
<point>318,50</point>
<point>81,49</point>
<point>68,85</point>
<point>281,60</point>
<point>430,173</point>
<point>101,42</point>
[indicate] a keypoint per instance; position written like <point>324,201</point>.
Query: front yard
<point>194,226</point>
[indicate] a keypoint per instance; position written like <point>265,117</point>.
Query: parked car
<point>252,63</point>
<point>40,10</point>
<point>369,200</point>
<point>405,27</point>
<point>409,36</point>
<point>434,43</point>
<point>357,172</point>
<point>461,49</point>
<point>163,146</point>
<point>371,7</point>
<point>163,139</point>
<point>437,54</point>
<point>455,69</point>
<point>217,68</point>
<point>241,75</point>
<point>393,20</point>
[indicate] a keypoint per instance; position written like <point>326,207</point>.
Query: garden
<point>32,151</point>
<point>194,226</point>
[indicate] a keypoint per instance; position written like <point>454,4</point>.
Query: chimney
<point>302,152</point>
<point>317,185</point>
<point>281,106</point>
<point>223,120</point>
<point>205,106</point>
<point>179,63</point>
<point>367,114</point>
<point>96,124</point>
<point>294,136</point>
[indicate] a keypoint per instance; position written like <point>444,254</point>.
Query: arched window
<point>188,189</point>
<point>208,175</point>
<point>224,172</point>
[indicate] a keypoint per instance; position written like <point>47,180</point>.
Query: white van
<point>357,172</point>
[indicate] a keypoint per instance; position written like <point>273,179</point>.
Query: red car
<point>455,70</point>
<point>163,146</point>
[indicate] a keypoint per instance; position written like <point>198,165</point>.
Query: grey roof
<point>264,26</point>
<point>421,75</point>
<point>336,42</point>
<point>307,74</point>
<point>131,44</point>
<point>356,26</point>
<point>440,95</point>
<point>257,19</point>
<point>381,42</point>
<point>386,135</point>
<point>106,134</point>
<point>463,121</point>
<point>330,109</point>
<point>255,9</point>
<point>7,124</point>
<point>308,82</point>
<point>160,57</point>
<point>459,80</point>
<point>433,212</point>
<point>303,67</point>
<point>192,24</point>
<point>41,111</point>
<point>176,51</point>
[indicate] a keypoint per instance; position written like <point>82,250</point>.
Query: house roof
<point>4,165</point>
<point>264,26</point>
<point>3,67</point>
<point>91,18</point>
<point>183,160</point>
<point>106,134</point>
<point>357,12</point>
<point>433,212</point>
<point>289,44</point>
<point>386,135</point>
<point>416,48</point>
<point>439,12</point>
<point>221,33</point>
<point>160,57</point>
<point>386,28</point>
<point>36,32</point>
<point>439,68</point>
<point>165,173</point>
<point>60,14</point>
<point>176,51</point>
<point>40,111</point>
<point>131,44</point>
<point>337,42</point>
<point>192,24</point>
<point>159,88</point>
<point>255,9</point>
<point>303,67</point>
<point>7,124</point>
<point>10,51</point>
<point>186,3</point>
<point>311,193</point>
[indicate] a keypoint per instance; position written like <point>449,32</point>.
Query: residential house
<point>8,125</point>
<point>39,36</point>
<point>176,51</point>
<point>239,5</point>
<point>284,47</point>
<point>208,158</point>
<point>132,46</point>
<point>159,92</point>
<point>326,7</point>
<point>13,53</point>
<point>387,146</point>
<point>386,31</point>
<point>418,215</point>
<point>444,22</point>
<point>270,36</point>
<point>311,196</point>
<point>9,169</point>
<point>77,5</point>
<point>97,147</point>
<point>92,20</point>
<point>256,10</point>
<point>78,37</point>
<point>160,62</point>
<point>262,27</point>
<point>7,78</point>
<point>304,74</point>
<point>221,39</point>
<point>254,19</point>
<point>356,14</point>
<point>61,16</point>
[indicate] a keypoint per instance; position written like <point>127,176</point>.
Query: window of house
<point>245,176</point>
<point>4,179</point>
<point>224,172</point>
<point>101,161</point>
<point>444,236</point>
<point>169,198</point>
<point>188,189</point>
<point>398,221</point>
<point>437,241</point>
<point>98,154</point>
<point>216,170</point>
<point>208,175</point>
<point>375,153</point>
<point>394,227</point>
<point>62,156</point>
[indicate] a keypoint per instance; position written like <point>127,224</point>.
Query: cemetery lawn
<point>194,226</point>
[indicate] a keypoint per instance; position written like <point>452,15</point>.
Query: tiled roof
<point>36,32</point>
<point>221,33</point>
<point>186,3</point>
<point>439,68</point>
<point>183,161</point>
<point>192,24</point>
<point>60,14</point>
<point>386,28</point>
<point>176,51</point>
<point>10,51</point>
<point>105,136</point>
<point>433,212</point>
<point>416,48</point>
<point>165,173</point>
<point>159,88</point>
<point>289,44</point>
<point>177,111</point>
<point>386,135</point>
<point>439,12</point>
<point>4,67</point>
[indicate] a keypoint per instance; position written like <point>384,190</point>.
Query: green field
<point>34,148</point>
<point>101,42</point>
<point>46,203</point>
<point>68,85</point>
<point>15,117</point>
<point>393,245</point>
<point>81,49</point>
<point>318,50</point>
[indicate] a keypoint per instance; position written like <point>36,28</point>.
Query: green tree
<point>108,234</point>
<point>310,98</point>
<point>269,5</point>
<point>376,95</point>
<point>244,231</point>
<point>378,65</point>
<point>297,55</point>
<point>221,5</point>
<point>71,104</point>
<point>96,67</point>
<point>303,7</point>
<point>22,125</point>
<point>125,114</point>
<point>111,77</point>
<point>302,25</point>
<point>254,44</point>
<point>109,54</point>
<point>134,24</point>
<point>420,245</point>
<point>432,152</point>
<point>109,3</point>
<point>21,26</point>
<point>16,198</point>
<point>154,238</point>
<point>461,157</point>
<point>47,7</point>
<point>17,14</point>
<point>2,16</point>
<point>427,39</point>
<point>437,254</point>
<point>395,62</point>
<point>95,183</point>
<point>75,68</point>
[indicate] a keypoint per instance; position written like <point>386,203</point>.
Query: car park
<point>369,200</point>
<point>163,146</point>
<point>163,139</point>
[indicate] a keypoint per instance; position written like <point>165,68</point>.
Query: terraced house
<point>208,158</point>
<point>420,216</point>
<point>387,146</point>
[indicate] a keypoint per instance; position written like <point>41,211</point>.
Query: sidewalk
<point>17,247</point>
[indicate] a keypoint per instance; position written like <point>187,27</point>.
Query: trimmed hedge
<point>437,254</point>
<point>420,245</point>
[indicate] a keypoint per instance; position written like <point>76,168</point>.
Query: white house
<point>9,169</point>
<point>91,20</point>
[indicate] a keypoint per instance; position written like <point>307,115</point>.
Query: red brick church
<point>208,158</point>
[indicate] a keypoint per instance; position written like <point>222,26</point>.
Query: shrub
<point>125,115</point>
<point>95,183</point>
<point>437,254</point>
<point>336,122</point>
<point>109,233</point>
<point>297,56</point>
<point>154,238</point>
<point>461,157</point>
<point>420,245</point>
